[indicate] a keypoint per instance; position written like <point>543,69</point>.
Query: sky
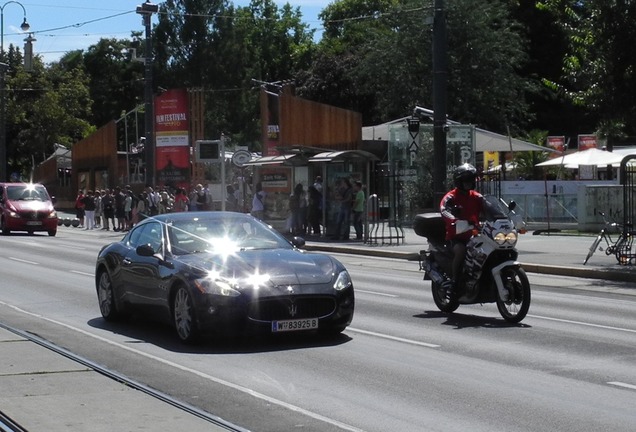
<point>60,26</point>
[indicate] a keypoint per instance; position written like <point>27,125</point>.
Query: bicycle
<point>621,247</point>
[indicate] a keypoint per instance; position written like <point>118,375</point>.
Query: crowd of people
<point>305,208</point>
<point>119,209</point>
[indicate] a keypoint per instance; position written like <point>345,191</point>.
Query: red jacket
<point>471,204</point>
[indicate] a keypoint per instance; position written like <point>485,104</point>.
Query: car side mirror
<point>512,205</point>
<point>145,250</point>
<point>298,242</point>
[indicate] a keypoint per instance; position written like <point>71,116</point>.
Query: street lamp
<point>146,10</point>
<point>3,102</point>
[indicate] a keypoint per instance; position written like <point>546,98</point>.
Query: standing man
<point>358,209</point>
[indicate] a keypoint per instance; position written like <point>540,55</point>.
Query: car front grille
<point>285,308</point>
<point>33,215</point>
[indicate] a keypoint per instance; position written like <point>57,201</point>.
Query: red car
<point>26,207</point>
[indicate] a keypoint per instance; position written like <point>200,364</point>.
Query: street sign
<point>241,157</point>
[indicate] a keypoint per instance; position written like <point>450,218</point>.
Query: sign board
<point>209,150</point>
<point>241,157</point>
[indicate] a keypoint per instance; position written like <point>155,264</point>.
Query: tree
<point>598,68</point>
<point>211,45</point>
<point>48,106</point>
<point>384,52</point>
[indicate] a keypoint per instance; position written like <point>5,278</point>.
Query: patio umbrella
<point>591,156</point>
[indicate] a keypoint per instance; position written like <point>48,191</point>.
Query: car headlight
<point>53,214</point>
<point>503,238</point>
<point>342,281</point>
<point>216,286</point>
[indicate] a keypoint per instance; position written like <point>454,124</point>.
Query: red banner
<point>172,139</point>
<point>587,142</point>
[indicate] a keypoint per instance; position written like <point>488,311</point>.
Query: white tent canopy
<point>593,156</point>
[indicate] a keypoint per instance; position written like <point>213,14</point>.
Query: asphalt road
<point>402,365</point>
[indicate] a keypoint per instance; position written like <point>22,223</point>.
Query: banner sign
<point>557,143</point>
<point>172,139</point>
<point>587,142</point>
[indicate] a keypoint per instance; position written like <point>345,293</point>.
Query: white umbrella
<point>591,156</point>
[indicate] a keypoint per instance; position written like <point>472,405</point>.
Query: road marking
<point>23,261</point>
<point>620,384</point>
<point>584,324</point>
<point>237,387</point>
<point>375,293</point>
<point>82,273</point>
<point>393,338</point>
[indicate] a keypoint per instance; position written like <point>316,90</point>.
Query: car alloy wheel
<point>183,314</point>
<point>106,297</point>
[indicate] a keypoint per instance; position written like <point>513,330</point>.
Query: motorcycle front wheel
<point>515,308</point>
<point>439,297</point>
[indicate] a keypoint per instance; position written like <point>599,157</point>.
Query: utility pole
<point>440,72</point>
<point>146,10</point>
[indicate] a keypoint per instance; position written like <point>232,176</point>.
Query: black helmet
<point>465,173</point>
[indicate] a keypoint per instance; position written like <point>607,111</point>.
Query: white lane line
<point>375,293</point>
<point>584,324</point>
<point>620,384</point>
<point>237,387</point>
<point>82,273</point>
<point>22,260</point>
<point>393,338</point>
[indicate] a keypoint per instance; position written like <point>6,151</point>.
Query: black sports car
<point>221,272</point>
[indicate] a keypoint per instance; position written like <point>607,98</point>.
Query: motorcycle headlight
<point>216,286</point>
<point>500,238</point>
<point>342,281</point>
<point>511,238</point>
<point>503,238</point>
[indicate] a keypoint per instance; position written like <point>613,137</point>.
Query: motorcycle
<point>490,273</point>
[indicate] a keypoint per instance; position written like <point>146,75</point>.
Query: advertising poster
<point>557,143</point>
<point>273,127</point>
<point>587,142</point>
<point>491,161</point>
<point>173,145</point>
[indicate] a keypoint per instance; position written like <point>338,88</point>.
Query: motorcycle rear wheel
<point>439,297</point>
<point>516,307</point>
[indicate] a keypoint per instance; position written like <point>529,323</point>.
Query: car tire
<point>106,297</point>
<point>4,229</point>
<point>52,233</point>
<point>183,317</point>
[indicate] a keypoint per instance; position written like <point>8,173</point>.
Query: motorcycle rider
<point>460,208</point>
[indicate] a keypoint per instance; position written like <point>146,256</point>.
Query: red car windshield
<point>27,193</point>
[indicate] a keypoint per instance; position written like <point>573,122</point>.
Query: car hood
<point>284,266</point>
<point>31,205</point>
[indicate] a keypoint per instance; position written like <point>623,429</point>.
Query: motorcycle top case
<point>431,226</point>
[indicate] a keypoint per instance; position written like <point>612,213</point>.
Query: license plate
<point>34,223</point>
<point>294,325</point>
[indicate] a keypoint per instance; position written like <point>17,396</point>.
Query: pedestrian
<point>258,202</point>
<point>345,198</point>
<point>79,208</point>
<point>120,211</point>
<point>89,209</point>
<point>99,209</point>
<point>314,210</point>
<point>203,198</point>
<point>109,210</point>
<point>153,199</point>
<point>128,203</point>
<point>358,209</point>
<point>181,201</point>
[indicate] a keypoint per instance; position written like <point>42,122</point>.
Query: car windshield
<point>27,193</point>
<point>223,235</point>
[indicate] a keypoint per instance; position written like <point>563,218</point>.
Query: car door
<point>143,275</point>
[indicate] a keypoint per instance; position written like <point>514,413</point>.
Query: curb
<point>626,275</point>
